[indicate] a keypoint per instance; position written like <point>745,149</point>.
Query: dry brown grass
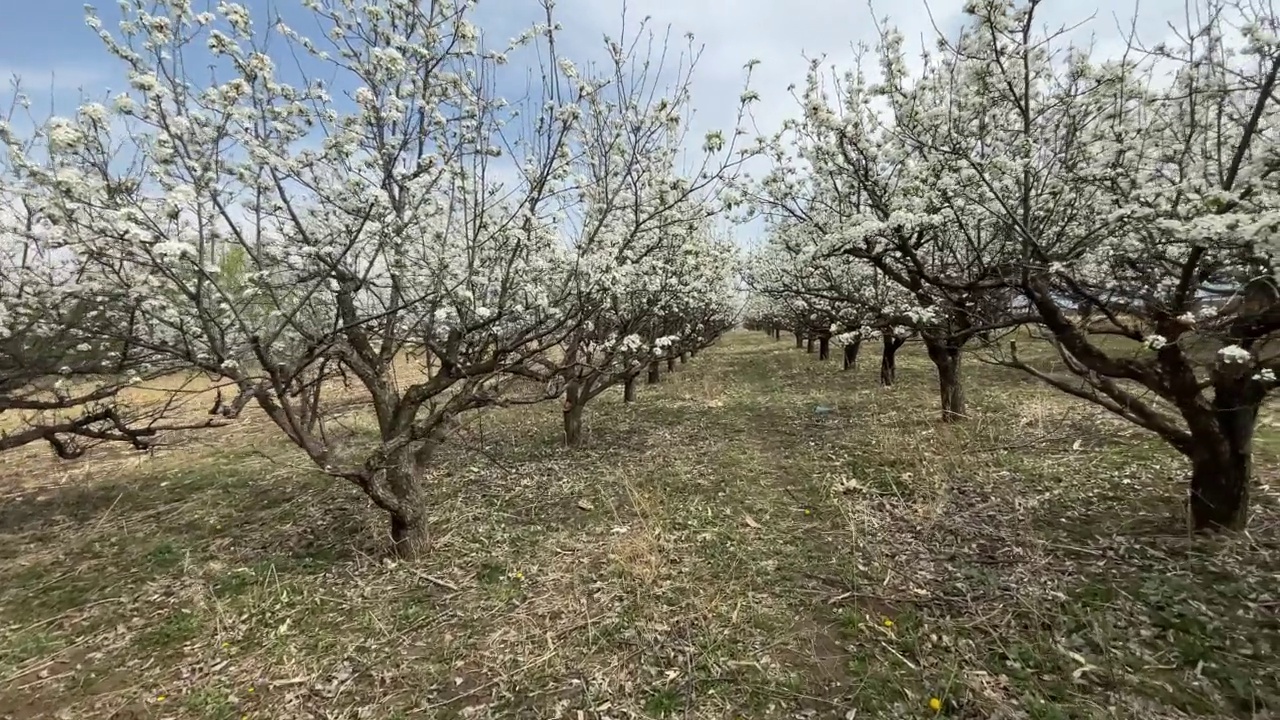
<point>717,550</point>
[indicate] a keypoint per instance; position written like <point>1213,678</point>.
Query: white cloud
<point>780,33</point>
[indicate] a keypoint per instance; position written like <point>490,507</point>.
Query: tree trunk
<point>1222,467</point>
<point>777,333</point>
<point>799,341</point>
<point>824,348</point>
<point>946,358</point>
<point>629,389</point>
<point>410,537</point>
<point>888,360</point>
<point>655,372</point>
<point>684,358</point>
<point>851,354</point>
<point>808,345</point>
<point>401,494</point>
<point>671,364</point>
<point>1219,498</point>
<point>573,424</point>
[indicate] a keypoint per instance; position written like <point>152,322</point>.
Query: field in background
<point>180,399</point>
<point>719,549</point>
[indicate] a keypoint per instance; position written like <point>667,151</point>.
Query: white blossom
<point>1234,354</point>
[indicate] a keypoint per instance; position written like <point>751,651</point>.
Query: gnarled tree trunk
<point>410,537</point>
<point>851,353</point>
<point>655,372</point>
<point>946,358</point>
<point>889,360</point>
<point>1219,497</point>
<point>808,344</point>
<point>684,358</point>
<point>799,340</point>
<point>1222,466</point>
<point>824,348</point>
<point>403,496</point>
<point>573,425</point>
<point>574,404</point>
<point>671,364</point>
<point>629,389</point>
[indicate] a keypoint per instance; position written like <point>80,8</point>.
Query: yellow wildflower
<point>160,698</point>
<point>935,704</point>
<point>888,623</point>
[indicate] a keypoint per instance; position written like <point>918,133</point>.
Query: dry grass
<point>177,399</point>
<point>718,550</point>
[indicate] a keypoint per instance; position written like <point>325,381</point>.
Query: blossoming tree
<point>669,296</point>
<point>848,170</point>
<point>641,233</point>
<point>400,224</point>
<point>1138,191</point>
<point>848,297</point>
<point>62,363</point>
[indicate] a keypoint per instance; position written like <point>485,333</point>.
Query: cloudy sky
<point>48,44</point>
<point>59,58</point>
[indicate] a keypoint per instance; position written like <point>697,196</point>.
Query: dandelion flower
<point>935,704</point>
<point>888,623</point>
<point>160,698</point>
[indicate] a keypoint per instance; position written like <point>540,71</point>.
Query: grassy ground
<point>719,550</point>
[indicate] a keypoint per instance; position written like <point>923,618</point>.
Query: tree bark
<point>629,389</point>
<point>777,333</point>
<point>824,348</point>
<point>671,364</point>
<point>851,354</point>
<point>808,345</point>
<point>946,358</point>
<point>410,537</point>
<point>799,341</point>
<point>655,372</point>
<point>401,494</point>
<point>889,360</point>
<point>684,358</point>
<point>1222,467</point>
<point>573,425</point>
<point>1219,498</point>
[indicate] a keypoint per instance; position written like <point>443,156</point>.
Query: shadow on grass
<point>152,527</point>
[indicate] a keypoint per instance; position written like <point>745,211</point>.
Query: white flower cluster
<point>1235,355</point>
<point>271,227</point>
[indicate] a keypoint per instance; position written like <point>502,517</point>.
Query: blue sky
<point>57,56</point>
<point>47,43</point>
